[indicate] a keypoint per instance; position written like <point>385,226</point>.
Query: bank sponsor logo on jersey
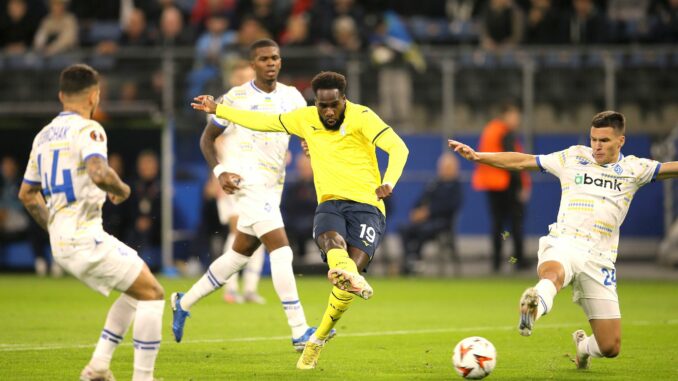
<point>585,179</point>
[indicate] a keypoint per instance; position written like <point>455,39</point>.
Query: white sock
<point>286,287</point>
<point>590,346</point>
<point>252,272</point>
<point>547,292</point>
<point>231,284</point>
<point>119,318</point>
<point>147,336</point>
<point>219,271</point>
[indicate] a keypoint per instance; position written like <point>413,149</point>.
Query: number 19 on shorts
<point>368,233</point>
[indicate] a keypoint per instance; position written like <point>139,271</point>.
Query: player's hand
<point>384,191</point>
<point>464,150</point>
<point>304,146</point>
<point>205,103</point>
<point>117,199</point>
<point>230,182</point>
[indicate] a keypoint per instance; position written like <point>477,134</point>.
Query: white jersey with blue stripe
<point>259,157</point>
<point>57,164</point>
<point>595,198</point>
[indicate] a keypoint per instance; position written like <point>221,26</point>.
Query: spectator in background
<point>324,12</point>
<point>501,25</point>
<point>208,51</point>
<point>587,25</point>
<point>17,28</point>
<point>115,217</point>
<point>270,14</point>
<point>298,205</point>
<point>13,217</point>
<point>144,203</point>
<point>296,32</point>
<point>250,31</point>
<point>204,9</point>
<point>507,192</point>
<point>435,211</point>
<point>172,31</point>
<point>136,32</point>
<point>58,31</point>
<point>664,18</point>
<point>544,24</point>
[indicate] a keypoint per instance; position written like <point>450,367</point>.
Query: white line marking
<point>49,347</point>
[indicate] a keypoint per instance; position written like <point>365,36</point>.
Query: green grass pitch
<point>48,328</point>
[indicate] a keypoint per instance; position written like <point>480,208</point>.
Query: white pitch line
<point>48,347</point>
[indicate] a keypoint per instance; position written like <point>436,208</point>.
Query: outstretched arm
<point>668,170</point>
<point>512,161</point>
<point>254,120</point>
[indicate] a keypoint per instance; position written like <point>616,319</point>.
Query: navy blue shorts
<point>361,225</point>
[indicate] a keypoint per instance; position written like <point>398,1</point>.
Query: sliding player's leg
<point>555,272</point>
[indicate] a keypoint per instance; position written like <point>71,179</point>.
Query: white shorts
<point>259,211</point>
<point>227,208</point>
<point>592,277</point>
<point>99,260</point>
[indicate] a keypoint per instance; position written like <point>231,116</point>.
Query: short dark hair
<point>329,80</point>
<point>77,78</point>
<point>613,119</point>
<point>508,106</point>
<point>263,43</point>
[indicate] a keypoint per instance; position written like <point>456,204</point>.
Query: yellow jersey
<point>344,161</point>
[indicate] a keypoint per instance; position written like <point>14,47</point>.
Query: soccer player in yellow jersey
<point>349,222</point>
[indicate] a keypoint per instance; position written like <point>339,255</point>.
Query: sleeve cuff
<point>656,172</point>
<point>541,167</point>
<point>31,182</point>
<point>218,122</point>
<point>93,155</point>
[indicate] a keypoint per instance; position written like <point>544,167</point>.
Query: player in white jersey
<point>241,73</point>
<point>64,188</point>
<point>254,173</point>
<point>598,184</point>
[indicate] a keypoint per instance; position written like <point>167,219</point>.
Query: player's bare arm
<point>31,197</point>
<point>512,161</point>
<point>106,179</point>
<point>228,181</point>
<point>668,170</point>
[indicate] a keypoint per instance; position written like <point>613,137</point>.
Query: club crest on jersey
<point>588,180</point>
<point>342,130</point>
<point>618,169</point>
<point>97,136</point>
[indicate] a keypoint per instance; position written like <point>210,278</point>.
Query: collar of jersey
<point>64,113</point>
<point>262,91</point>
<point>621,156</point>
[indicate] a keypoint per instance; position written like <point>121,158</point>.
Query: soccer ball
<point>474,358</point>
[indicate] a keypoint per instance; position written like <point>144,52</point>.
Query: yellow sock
<point>338,258</point>
<point>339,302</point>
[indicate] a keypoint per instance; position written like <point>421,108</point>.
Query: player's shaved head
<point>77,78</point>
<point>613,119</point>
<point>329,80</point>
<point>263,43</point>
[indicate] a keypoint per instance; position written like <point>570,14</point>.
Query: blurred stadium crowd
<point>56,26</point>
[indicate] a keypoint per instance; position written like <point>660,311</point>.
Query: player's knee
<point>157,291</point>
<point>611,349</point>
<point>331,240</point>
